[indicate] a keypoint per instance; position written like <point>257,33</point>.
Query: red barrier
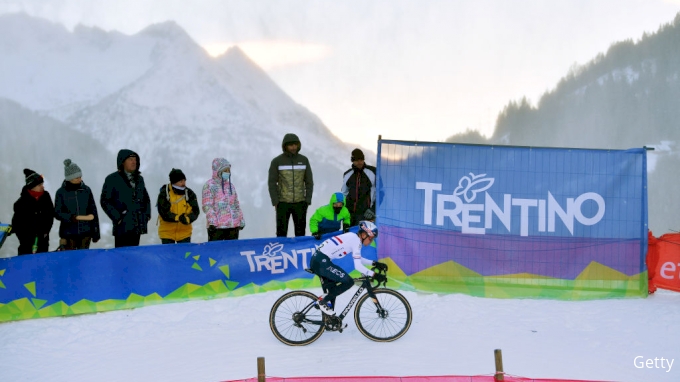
<point>663,262</point>
<point>444,378</point>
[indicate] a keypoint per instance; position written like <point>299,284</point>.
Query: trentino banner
<point>87,281</point>
<point>502,221</point>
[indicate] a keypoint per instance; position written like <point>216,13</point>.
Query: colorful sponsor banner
<point>664,262</point>
<point>5,229</point>
<point>507,221</point>
<point>87,281</point>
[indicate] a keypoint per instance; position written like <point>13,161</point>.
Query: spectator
<point>223,214</point>
<point>74,206</point>
<point>125,200</point>
<point>290,186</point>
<point>331,217</point>
<point>358,185</point>
<point>33,215</point>
<point>177,209</point>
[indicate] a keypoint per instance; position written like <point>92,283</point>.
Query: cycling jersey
<point>340,246</point>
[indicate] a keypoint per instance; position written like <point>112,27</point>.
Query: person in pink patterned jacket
<point>224,217</point>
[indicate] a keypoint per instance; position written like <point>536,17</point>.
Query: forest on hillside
<point>627,97</point>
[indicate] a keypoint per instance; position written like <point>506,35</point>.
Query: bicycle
<point>295,318</point>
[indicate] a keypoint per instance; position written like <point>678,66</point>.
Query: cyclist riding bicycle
<point>338,247</point>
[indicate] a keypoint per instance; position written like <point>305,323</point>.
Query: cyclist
<point>338,247</point>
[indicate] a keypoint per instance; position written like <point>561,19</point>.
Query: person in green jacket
<point>330,217</point>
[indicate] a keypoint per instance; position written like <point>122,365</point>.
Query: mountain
<point>626,97</point>
<point>160,94</point>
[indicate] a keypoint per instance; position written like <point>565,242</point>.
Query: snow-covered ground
<point>456,334</point>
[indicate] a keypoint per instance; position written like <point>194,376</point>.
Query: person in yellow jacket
<point>177,208</point>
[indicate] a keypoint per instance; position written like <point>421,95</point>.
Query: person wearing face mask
<point>223,214</point>
<point>75,208</point>
<point>177,209</point>
<point>331,217</point>
<point>33,215</point>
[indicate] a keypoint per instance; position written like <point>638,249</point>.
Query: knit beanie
<point>176,175</point>
<point>32,178</point>
<point>71,170</point>
<point>357,155</point>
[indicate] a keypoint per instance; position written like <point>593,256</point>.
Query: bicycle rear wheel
<point>291,323</point>
<point>385,322</point>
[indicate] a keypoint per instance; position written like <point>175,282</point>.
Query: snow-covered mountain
<point>160,94</point>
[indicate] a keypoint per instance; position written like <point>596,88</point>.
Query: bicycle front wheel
<point>293,319</point>
<point>385,321</point>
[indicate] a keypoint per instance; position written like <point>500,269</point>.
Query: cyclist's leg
<point>338,280</point>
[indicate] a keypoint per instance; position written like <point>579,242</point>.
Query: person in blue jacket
<point>332,217</point>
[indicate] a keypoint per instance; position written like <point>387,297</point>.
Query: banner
<point>503,221</point>
<point>5,229</point>
<point>87,281</point>
<point>664,262</point>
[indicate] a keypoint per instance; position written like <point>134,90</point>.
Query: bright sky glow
<point>411,70</point>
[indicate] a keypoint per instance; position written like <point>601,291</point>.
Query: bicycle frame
<point>365,285</point>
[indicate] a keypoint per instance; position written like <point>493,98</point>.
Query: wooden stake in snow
<point>499,365</point>
<point>260,370</point>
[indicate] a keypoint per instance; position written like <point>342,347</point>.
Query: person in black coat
<point>358,185</point>
<point>125,200</point>
<point>74,206</point>
<point>33,215</point>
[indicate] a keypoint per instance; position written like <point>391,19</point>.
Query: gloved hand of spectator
<point>381,267</point>
<point>184,219</point>
<point>345,228</point>
<point>243,225</point>
<point>317,235</point>
<point>380,278</point>
<point>122,217</point>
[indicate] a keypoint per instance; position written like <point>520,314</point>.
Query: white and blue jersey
<point>340,246</point>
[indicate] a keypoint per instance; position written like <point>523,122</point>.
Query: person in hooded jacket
<point>331,217</point>
<point>177,209</point>
<point>125,200</point>
<point>75,208</point>
<point>290,186</point>
<point>223,213</point>
<point>33,215</point>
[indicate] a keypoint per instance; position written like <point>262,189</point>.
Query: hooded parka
<point>127,205</point>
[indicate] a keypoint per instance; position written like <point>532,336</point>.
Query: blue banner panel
<point>501,210</point>
<point>64,279</point>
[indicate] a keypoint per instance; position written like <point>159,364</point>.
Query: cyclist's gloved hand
<point>380,278</point>
<point>381,267</point>
<point>317,235</point>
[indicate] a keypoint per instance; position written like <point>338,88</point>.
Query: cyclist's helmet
<point>368,227</point>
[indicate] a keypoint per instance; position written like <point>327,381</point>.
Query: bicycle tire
<point>383,329</point>
<point>282,321</point>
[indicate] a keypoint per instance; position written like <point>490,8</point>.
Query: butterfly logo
<point>272,249</point>
<point>470,186</point>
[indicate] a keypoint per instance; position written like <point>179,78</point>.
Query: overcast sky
<point>410,70</point>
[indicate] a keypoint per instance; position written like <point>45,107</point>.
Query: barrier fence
<point>497,377</point>
<point>504,221</point>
